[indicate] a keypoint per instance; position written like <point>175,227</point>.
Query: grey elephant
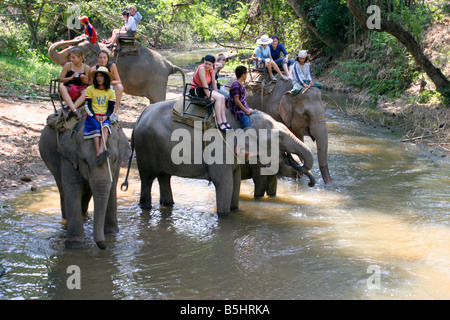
<point>267,184</point>
<point>303,114</point>
<point>143,75</point>
<point>71,160</point>
<point>157,139</point>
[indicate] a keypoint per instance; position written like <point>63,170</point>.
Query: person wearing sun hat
<point>301,73</point>
<point>100,101</point>
<point>262,55</point>
<point>89,31</point>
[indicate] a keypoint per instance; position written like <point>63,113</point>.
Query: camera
<point>219,64</point>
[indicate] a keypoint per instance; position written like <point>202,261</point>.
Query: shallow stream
<point>381,232</point>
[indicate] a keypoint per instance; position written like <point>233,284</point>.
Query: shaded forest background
<point>337,37</point>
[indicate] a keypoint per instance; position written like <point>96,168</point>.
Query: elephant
<point>71,160</point>
<point>267,184</point>
<point>143,75</point>
<point>303,114</point>
<point>155,136</point>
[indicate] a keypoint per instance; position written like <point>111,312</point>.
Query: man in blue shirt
<point>276,48</point>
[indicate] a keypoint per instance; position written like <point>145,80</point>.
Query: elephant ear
<point>124,149</point>
<point>67,147</point>
<point>285,109</point>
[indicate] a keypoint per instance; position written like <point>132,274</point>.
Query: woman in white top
<point>129,29</point>
<point>301,74</point>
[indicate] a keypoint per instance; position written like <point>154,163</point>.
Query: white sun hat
<point>303,54</point>
<point>264,40</point>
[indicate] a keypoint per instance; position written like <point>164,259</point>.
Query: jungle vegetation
<point>327,28</point>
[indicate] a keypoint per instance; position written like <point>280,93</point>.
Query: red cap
<point>84,18</point>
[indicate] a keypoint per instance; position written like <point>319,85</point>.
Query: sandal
<point>102,158</point>
<point>223,124</point>
<point>228,126</point>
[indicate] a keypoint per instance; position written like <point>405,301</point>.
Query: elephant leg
<point>165,190</point>
<point>236,189</point>
<point>145,201</point>
<point>260,181</point>
<point>260,186</point>
<point>61,200</point>
<point>72,192</point>
<point>271,186</point>
<point>86,198</point>
<point>223,181</point>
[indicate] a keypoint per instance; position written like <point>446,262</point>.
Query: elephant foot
<point>111,230</point>
<point>145,206</point>
<point>101,245</point>
<point>167,204</point>
<point>223,214</point>
<point>71,244</point>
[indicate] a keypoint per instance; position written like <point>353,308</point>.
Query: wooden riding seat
<point>54,94</point>
<point>127,45</point>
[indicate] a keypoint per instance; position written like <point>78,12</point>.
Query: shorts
<point>198,92</point>
<point>92,127</point>
<point>75,91</point>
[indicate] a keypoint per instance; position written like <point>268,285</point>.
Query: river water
<point>381,232</point>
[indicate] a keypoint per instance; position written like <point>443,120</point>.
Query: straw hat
<point>104,70</point>
<point>303,54</point>
<point>264,40</point>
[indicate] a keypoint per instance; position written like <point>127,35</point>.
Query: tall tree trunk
<point>395,29</point>
<point>297,6</point>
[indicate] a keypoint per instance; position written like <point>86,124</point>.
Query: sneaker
<point>273,79</point>
<point>285,78</point>
<point>114,118</point>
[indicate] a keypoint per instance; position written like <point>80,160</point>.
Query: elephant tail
<point>176,69</point>
<point>124,185</point>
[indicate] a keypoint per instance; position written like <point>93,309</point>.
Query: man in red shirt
<point>89,30</point>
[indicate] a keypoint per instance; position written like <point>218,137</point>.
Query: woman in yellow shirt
<point>100,103</point>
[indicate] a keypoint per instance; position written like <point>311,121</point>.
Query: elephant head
<point>304,115</point>
<point>89,50</point>
<point>288,144</point>
<point>71,160</point>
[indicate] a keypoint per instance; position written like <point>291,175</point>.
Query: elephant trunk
<point>320,133</point>
<point>294,164</point>
<point>100,191</point>
<point>62,56</point>
<point>293,145</point>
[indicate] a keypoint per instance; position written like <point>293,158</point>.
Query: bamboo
<point>104,145</point>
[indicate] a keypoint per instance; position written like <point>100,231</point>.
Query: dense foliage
<point>28,27</point>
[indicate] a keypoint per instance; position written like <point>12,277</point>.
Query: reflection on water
<point>388,209</point>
